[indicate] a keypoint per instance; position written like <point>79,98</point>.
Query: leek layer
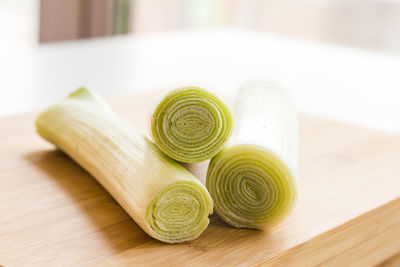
<point>253,179</point>
<point>163,198</point>
<point>191,125</point>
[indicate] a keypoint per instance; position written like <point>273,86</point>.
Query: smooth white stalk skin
<point>253,180</point>
<point>163,198</point>
<point>266,116</point>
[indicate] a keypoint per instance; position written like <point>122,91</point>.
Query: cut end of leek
<point>251,186</point>
<point>179,212</point>
<point>191,125</point>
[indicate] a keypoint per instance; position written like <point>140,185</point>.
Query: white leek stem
<point>163,198</point>
<point>253,180</point>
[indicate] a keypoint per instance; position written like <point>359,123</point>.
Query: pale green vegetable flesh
<point>191,125</point>
<point>253,179</point>
<point>163,198</point>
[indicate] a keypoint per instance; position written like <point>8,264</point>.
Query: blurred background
<point>339,58</point>
<point>371,24</point>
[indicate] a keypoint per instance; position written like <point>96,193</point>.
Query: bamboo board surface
<point>53,213</point>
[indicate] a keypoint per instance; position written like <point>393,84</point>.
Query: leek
<point>253,179</point>
<point>163,198</point>
<point>191,125</point>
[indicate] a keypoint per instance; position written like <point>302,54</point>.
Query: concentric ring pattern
<point>179,212</point>
<point>191,125</point>
<point>251,186</point>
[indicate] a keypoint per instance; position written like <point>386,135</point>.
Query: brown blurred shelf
<point>54,213</point>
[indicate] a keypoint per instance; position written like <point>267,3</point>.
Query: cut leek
<point>191,125</point>
<point>163,198</point>
<point>253,179</point>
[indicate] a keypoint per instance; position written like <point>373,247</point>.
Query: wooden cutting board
<point>53,213</point>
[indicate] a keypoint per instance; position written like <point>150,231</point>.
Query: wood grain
<point>56,214</point>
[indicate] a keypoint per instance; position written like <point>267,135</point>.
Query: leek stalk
<point>163,198</point>
<point>253,179</point>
